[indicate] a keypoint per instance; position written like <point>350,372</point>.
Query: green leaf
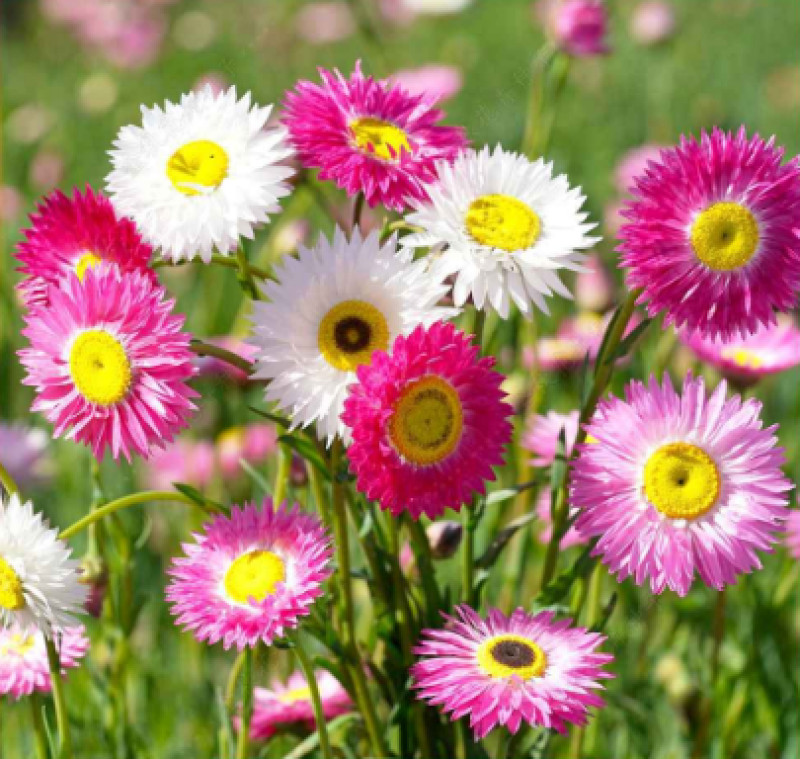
<point>502,539</point>
<point>256,476</point>
<point>558,588</point>
<point>281,421</point>
<point>197,496</point>
<point>600,360</point>
<point>306,450</point>
<point>506,494</point>
<point>627,343</point>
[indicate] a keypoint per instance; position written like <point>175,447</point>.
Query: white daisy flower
<point>508,226</point>
<point>39,585</point>
<point>197,176</point>
<point>328,311</point>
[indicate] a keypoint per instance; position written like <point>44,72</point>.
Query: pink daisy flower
<point>370,136</point>
<point>72,234</point>
<point>24,667</point>
<point>250,576</point>
<point>712,236</point>
<point>428,423</point>
<point>110,363</point>
<point>541,436</point>
<point>290,704</point>
<point>744,360</point>
<point>675,484</point>
<point>793,533</point>
<point>508,670</point>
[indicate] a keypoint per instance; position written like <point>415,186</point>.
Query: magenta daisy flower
<point>24,667</point>
<point>793,533</point>
<point>109,362</point>
<point>290,704</point>
<point>73,234</point>
<point>250,576</point>
<point>428,422</point>
<point>712,236</point>
<point>369,136</point>
<point>744,360</point>
<point>509,670</point>
<point>675,484</point>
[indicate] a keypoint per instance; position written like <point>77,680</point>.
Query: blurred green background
<point>75,71</point>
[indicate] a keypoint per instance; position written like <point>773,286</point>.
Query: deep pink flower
<point>110,363</point>
<point>509,670</point>
<point>369,136</point>
<point>428,422</point>
<point>73,234</point>
<point>581,26</point>
<point>675,484</point>
<point>712,236</point>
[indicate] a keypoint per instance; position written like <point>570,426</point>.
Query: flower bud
<point>444,538</point>
<point>580,27</point>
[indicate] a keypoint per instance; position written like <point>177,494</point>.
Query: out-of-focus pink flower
<point>652,22</point>
<point>290,235</point>
<point>440,82</point>
<point>47,170</point>
<point>580,27</point>
<point>633,164</point>
<point>571,538</point>
<point>254,443</point>
<point>187,461</point>
<point>214,79</point>
<point>10,203</point>
<point>24,455</point>
<point>137,43</point>
<point>209,366</point>
<point>613,218</point>
<point>323,23</point>
<point>594,289</point>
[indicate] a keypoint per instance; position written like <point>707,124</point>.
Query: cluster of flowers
<point>352,339</point>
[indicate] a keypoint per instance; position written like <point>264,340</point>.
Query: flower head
<point>24,667</point>
<point>674,484</point>
<point>200,174</point>
<point>581,27</point>
<point>508,670</point>
<point>72,234</point>
<point>330,309</point>
<point>711,237</point>
<point>508,226</point>
<point>428,423</point>
<point>250,576</point>
<point>39,586</point>
<point>369,136</point>
<point>290,703</point>
<point>109,362</point>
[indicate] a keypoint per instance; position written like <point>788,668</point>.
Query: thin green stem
<point>281,476</point>
<point>124,503</point>
<point>226,261</point>
<point>468,553</point>
<point>233,680</point>
<point>57,685</point>
<point>8,481</point>
<point>205,349</point>
<point>316,701</point>
<point>245,275</point>
<point>358,207</point>
<point>39,734</point>
<point>243,742</point>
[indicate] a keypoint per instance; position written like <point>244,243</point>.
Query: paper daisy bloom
<point>674,484</point>
<point>428,423</point>
<point>72,234</point>
<point>24,667</point>
<point>369,136</point>
<point>283,705</point>
<point>744,360</point>
<point>508,225</point>
<point>251,576</point>
<point>712,237</point>
<point>39,586</point>
<point>330,309</point>
<point>198,175</point>
<point>110,363</point>
<point>509,670</point>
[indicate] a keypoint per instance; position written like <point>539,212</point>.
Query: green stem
<point>8,481</point>
<point>245,275</point>
<point>39,734</point>
<point>320,496</point>
<point>57,684</point>
<point>205,349</point>
<point>468,553</point>
<point>316,701</point>
<point>233,679</point>
<point>226,261</point>
<point>243,742</point>
<point>281,476</point>
<point>126,502</point>
<point>356,666</point>
<point>358,207</point>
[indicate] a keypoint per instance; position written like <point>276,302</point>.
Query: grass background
<point>731,62</point>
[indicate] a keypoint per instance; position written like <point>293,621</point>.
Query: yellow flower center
<point>427,421</point>
<point>197,167</point>
<point>350,333</point>
<point>743,357</point>
<point>503,222</point>
<point>87,261</point>
<point>18,644</point>
<point>100,368</point>
<point>254,575</point>
<point>379,138</point>
<point>11,596</point>
<point>507,655</point>
<point>725,236</point>
<point>296,694</point>
<point>681,481</point>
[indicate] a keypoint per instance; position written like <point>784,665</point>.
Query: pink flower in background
<point>543,511</point>
<point>212,367</point>
<point>594,288</point>
<point>47,170</point>
<point>369,136</point>
<point>323,23</point>
<point>581,26</point>
<point>541,436</point>
<point>437,82</point>
<point>282,704</point>
<point>254,443</point>
<point>10,203</point>
<point>652,22</point>
<point>633,164</point>
<point>793,533</point>
<point>215,80</point>
<point>25,455</point>
<point>188,461</point>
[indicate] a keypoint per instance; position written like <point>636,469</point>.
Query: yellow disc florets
<point>379,138</point>
<point>511,655</point>
<point>198,167</point>
<point>725,236</point>
<point>254,575</point>
<point>11,595</point>
<point>87,261</point>
<point>350,333</point>
<point>100,367</point>
<point>503,222</point>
